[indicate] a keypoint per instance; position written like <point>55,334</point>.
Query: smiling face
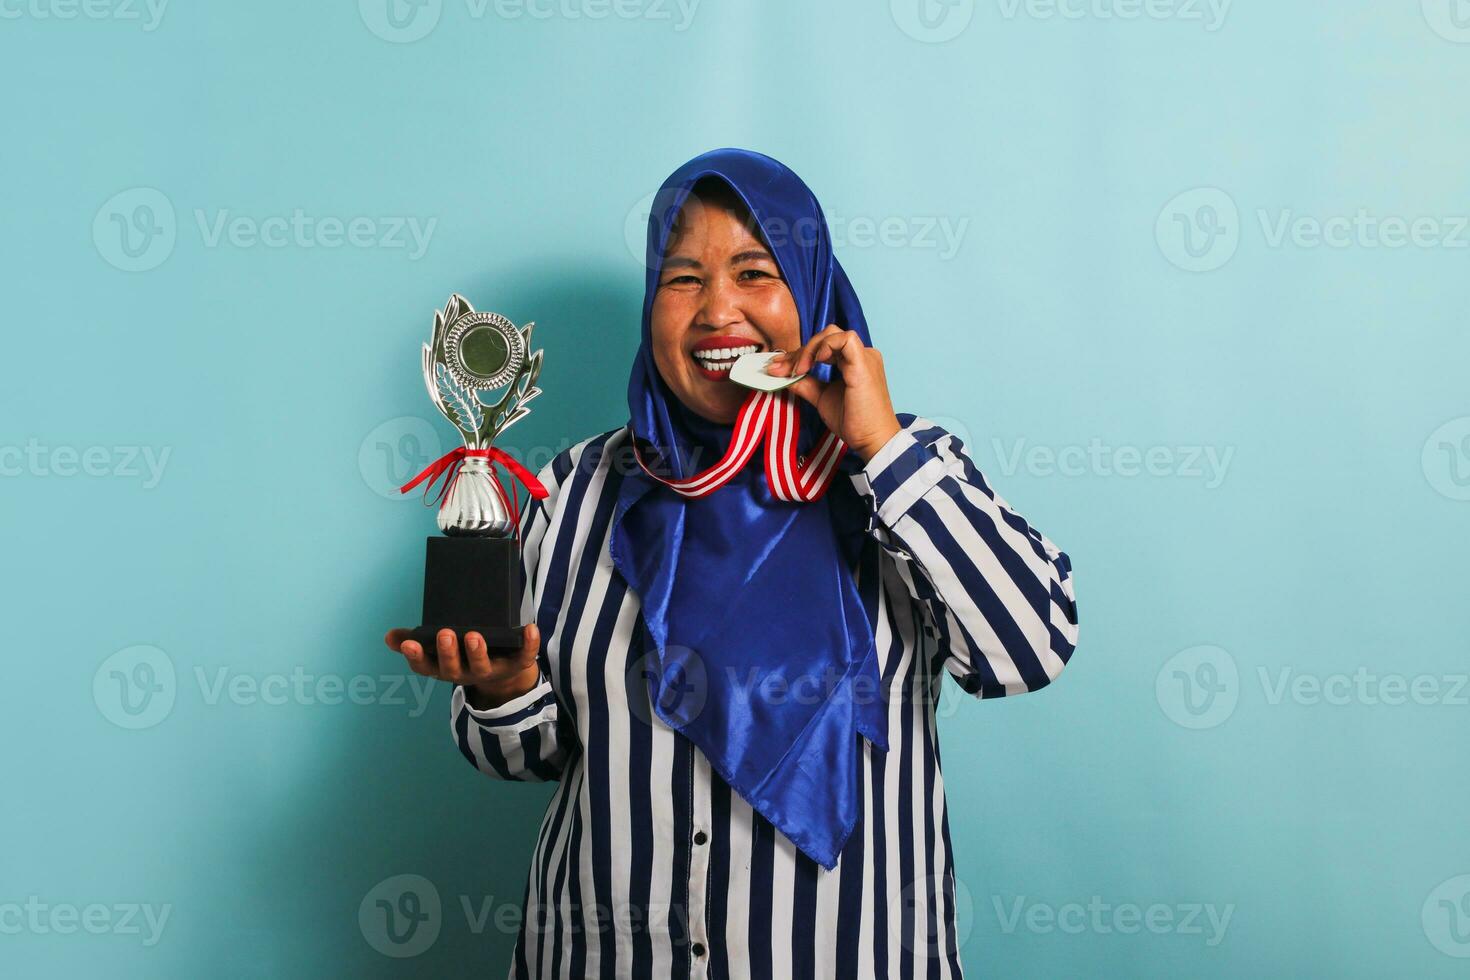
<point>720,294</point>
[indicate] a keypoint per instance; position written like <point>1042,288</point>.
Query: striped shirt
<point>647,864</point>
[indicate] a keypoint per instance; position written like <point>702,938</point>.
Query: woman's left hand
<point>855,403</point>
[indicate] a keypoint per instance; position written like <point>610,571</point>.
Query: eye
<point>684,280</point>
<point>756,274</point>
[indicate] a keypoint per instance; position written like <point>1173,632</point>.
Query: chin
<point>722,408</point>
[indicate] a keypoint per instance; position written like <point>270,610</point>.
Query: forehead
<point>703,223</point>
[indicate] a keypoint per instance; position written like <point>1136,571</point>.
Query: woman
<point>741,607</point>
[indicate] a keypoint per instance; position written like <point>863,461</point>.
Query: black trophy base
<point>472,584</point>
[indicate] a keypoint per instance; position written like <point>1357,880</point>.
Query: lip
<point>723,340</point>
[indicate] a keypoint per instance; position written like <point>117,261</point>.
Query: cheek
<point>666,332</point>
<point>781,321</point>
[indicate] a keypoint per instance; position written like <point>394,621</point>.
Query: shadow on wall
<point>390,794</point>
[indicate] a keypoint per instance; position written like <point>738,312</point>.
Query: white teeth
<point>724,353</point>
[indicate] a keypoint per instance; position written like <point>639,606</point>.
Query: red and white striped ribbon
<point>770,417</point>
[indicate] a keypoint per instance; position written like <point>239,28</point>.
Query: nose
<point>721,305</point>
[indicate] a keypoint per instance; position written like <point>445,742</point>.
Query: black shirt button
<point>700,837</point>
<point>699,949</point>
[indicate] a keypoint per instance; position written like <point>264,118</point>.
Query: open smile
<point>714,357</point>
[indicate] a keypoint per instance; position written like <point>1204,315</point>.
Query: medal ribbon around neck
<point>768,417</point>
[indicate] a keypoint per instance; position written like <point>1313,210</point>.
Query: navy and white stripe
<point>647,864</point>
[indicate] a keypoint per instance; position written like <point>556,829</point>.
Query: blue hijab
<point>758,648</point>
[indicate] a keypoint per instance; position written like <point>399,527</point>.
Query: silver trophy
<point>472,575</point>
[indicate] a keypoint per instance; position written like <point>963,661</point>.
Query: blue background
<point>1114,289</point>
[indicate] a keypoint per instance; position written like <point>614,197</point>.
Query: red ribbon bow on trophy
<point>450,463</point>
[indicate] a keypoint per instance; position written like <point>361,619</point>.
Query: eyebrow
<point>749,255</point>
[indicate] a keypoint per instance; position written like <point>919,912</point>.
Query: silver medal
<point>749,371</point>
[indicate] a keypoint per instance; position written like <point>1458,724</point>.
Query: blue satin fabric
<point>759,649</point>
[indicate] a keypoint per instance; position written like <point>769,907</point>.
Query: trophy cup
<point>472,573</point>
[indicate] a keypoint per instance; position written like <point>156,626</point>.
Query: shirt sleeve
<point>995,591</point>
<point>516,741</point>
<point>521,740</point>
